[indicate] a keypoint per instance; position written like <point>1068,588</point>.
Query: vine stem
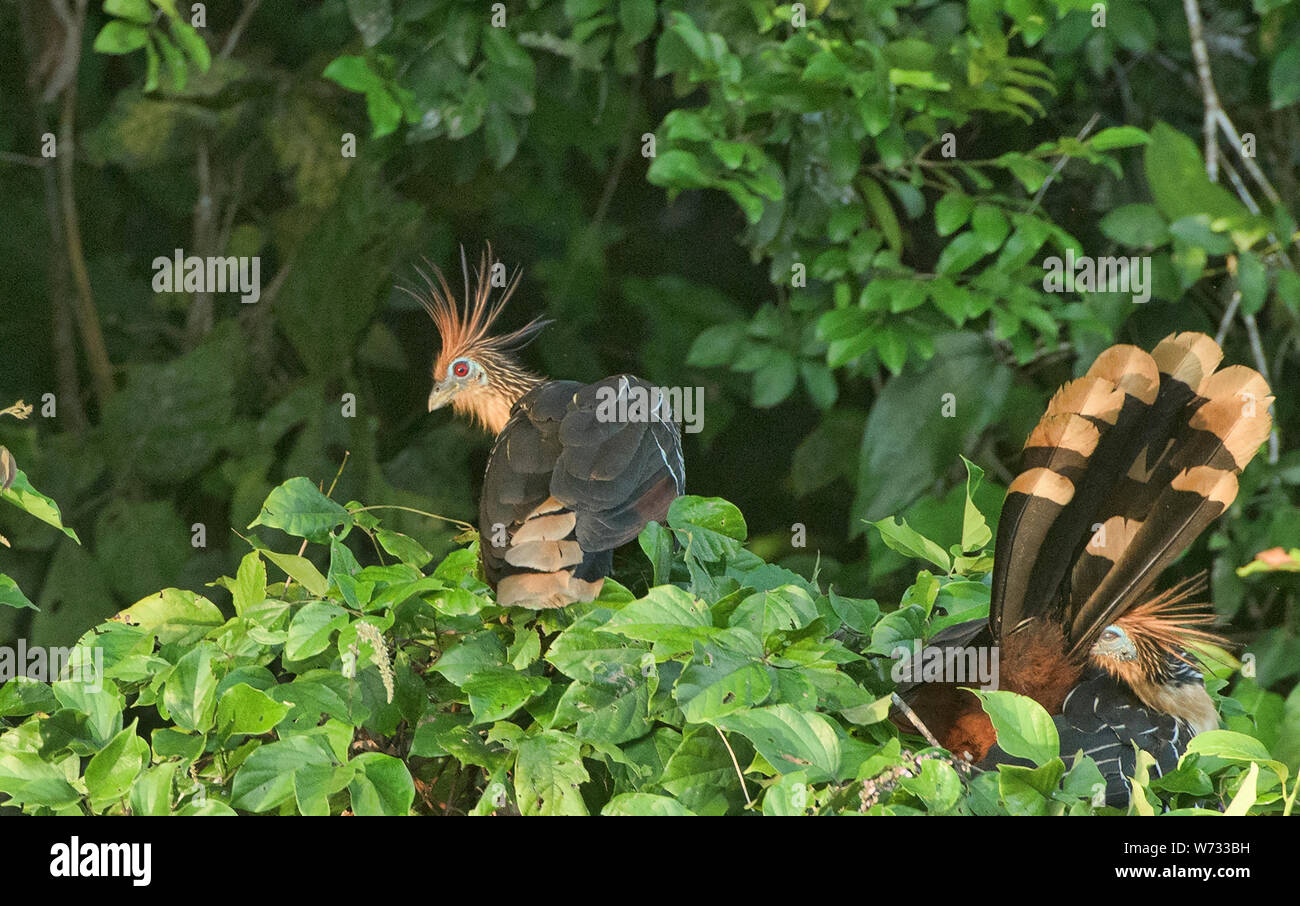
<point>392,506</point>
<point>739,773</point>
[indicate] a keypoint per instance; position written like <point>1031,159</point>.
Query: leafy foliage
<point>384,690</point>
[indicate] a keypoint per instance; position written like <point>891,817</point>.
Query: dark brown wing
<point>577,471</point>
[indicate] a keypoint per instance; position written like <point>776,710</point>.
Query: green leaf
<point>174,615</point>
<point>403,547</point>
<point>961,253</point>
<point>192,43</point>
<point>298,508</point>
<point>790,740</point>
<point>301,569</point>
<point>1252,280</point>
<point>190,694</point>
<point>1024,728</point>
<point>785,608</point>
<point>243,709</point>
<point>975,532</point>
<point>1245,798</point>
<point>311,629</point>
<point>250,583</point>
<point>118,37</point>
<point>952,212</point>
<point>1175,172</point>
<point>668,615</point>
<point>549,774</point>
<point>1284,77</point>
<point>911,543</point>
<point>1233,746</point>
<point>708,527</point>
<point>382,785</point>
<point>113,769</point>
<point>1137,225</point>
<point>12,596</point>
<point>137,11</point>
<point>22,495</point>
<point>30,780</point>
<point>498,692</point>
<point>266,778</point>
<point>151,794</point>
<point>723,676</point>
<point>937,785</point>
<point>638,804</point>
<point>1028,791</point>
<point>909,441</point>
<point>677,169</point>
<point>1118,137</point>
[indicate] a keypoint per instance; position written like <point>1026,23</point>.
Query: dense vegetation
<point>834,217</point>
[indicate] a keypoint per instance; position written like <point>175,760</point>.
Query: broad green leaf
<point>311,629</point>
<point>243,709</point>
<point>151,794</point>
<point>176,616</point>
<point>1024,728</point>
<point>266,778</point>
<point>786,608</point>
<point>667,615</point>
<point>381,786</point>
<point>637,804</point>
<point>1137,225</point>
<point>789,739</point>
<point>495,693</point>
<point>28,779</point>
<point>1175,172</point>
<point>725,675</point>
<point>298,508</point>
<point>191,690</point>
<point>549,774</point>
<point>113,769</point>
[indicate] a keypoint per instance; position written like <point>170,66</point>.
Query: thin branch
<point>92,337</point>
<point>1196,33</point>
<point>1060,164</point>
<point>1214,116</point>
<point>739,773</point>
<point>238,29</point>
<point>1261,363</point>
<point>1225,323</point>
<point>915,721</point>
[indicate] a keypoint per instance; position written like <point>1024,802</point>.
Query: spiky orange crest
<point>1165,626</point>
<point>464,330</point>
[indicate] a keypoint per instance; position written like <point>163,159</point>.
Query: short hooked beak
<point>441,395</point>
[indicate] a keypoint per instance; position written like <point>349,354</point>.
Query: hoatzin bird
<point>567,480</point>
<point>1130,463</point>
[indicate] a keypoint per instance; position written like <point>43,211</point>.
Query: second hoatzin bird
<point>1130,463</point>
<point>576,471</point>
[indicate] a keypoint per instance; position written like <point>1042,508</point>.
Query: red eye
<point>460,369</point>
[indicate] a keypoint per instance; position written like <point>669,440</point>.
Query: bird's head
<point>475,371</point>
<point>1144,641</point>
<point>1114,643</point>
